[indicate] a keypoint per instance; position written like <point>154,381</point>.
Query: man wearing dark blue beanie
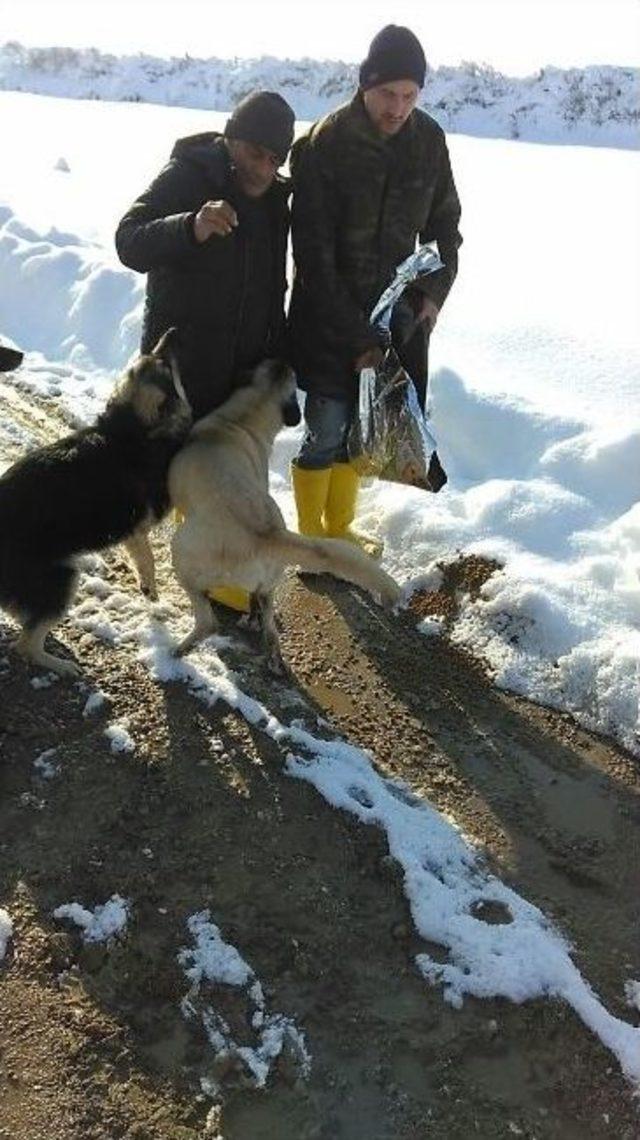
<point>370,180</point>
<point>395,53</point>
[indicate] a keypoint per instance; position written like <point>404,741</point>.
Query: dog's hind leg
<point>30,645</point>
<point>194,581</point>
<point>42,596</point>
<point>139,549</point>
<point>262,614</point>
<point>204,622</point>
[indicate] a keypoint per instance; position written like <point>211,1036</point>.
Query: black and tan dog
<point>101,485</point>
<point>231,530</point>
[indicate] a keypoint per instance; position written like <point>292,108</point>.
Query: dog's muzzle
<point>291,413</point>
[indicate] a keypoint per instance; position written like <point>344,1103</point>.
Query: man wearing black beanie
<point>370,180</point>
<point>211,234</point>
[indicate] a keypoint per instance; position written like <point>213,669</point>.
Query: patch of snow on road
<point>94,702</point>
<point>119,737</point>
<point>6,931</point>
<point>44,765</point>
<point>213,962</point>
<point>520,957</point>
<point>632,993</point>
<point>105,921</point>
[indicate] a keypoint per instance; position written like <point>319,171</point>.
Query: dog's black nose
<point>291,411</point>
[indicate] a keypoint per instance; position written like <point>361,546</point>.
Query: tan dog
<point>232,532</point>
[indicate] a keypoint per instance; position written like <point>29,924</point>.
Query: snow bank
<point>55,289</point>
<point>595,105</point>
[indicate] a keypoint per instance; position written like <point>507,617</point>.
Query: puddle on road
<point>577,805</point>
<point>330,698</point>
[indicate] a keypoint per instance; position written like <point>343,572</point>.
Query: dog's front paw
<point>36,655</point>
<point>67,669</point>
<point>59,665</point>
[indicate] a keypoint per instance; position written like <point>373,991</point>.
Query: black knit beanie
<point>395,53</point>
<point>263,118</point>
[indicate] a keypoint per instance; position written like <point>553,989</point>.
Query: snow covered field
<point>535,402</point>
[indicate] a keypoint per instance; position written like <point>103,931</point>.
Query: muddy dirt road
<point>94,1044</point>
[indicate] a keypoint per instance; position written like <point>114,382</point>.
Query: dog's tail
<point>338,557</point>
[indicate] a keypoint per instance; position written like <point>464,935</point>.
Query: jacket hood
<point>208,151</point>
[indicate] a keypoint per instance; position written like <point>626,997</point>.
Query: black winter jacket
<point>226,295</point>
<point>360,204</point>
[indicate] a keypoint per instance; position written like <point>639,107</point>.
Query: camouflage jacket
<point>360,203</point>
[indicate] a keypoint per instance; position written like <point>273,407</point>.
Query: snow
<point>44,764</point>
<point>95,701</point>
<point>594,105</point>
<point>119,737</point>
<point>534,401</point>
<point>212,958</point>
<point>632,993</point>
<point>6,931</point>
<point>105,921</point>
<point>215,961</point>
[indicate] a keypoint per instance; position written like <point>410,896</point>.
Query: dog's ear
<point>166,345</point>
<point>166,351</point>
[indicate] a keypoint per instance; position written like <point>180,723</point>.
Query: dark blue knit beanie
<point>395,53</point>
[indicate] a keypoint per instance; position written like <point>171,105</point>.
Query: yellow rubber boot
<point>233,597</point>
<point>341,509</point>
<point>310,490</point>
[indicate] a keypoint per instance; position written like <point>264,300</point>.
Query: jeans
<point>327,422</point>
